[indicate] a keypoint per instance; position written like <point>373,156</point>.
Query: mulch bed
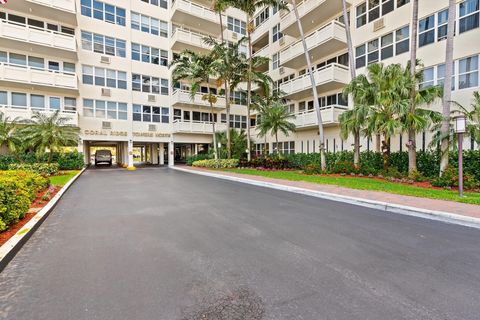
<point>36,206</point>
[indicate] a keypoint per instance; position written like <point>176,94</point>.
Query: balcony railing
<point>332,73</point>
<point>189,37</point>
<point>34,35</point>
<point>308,118</point>
<point>24,113</point>
<point>184,97</point>
<point>65,5</point>
<point>37,76</point>
<point>204,127</point>
<point>196,10</point>
<point>262,52</point>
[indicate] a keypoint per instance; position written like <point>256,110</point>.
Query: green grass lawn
<point>366,184</point>
<point>62,179</point>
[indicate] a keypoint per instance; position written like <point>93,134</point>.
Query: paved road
<point>161,244</point>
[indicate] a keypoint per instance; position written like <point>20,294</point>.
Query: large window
<point>150,25</point>
<point>236,25</point>
<point>468,72</point>
<point>150,114</point>
<point>160,3</point>
<point>104,77</point>
<point>38,102</point>
<point>37,24</point>
<point>371,10</point>
<point>469,12</point>
<point>262,16</point>
<point>276,60</point>
<point>103,11</point>
<point>236,121</point>
<point>276,34</point>
<point>287,147</point>
<point>148,54</point>
<point>149,84</point>
<point>37,63</point>
<point>103,44</point>
<point>105,109</point>
<point>426,30</point>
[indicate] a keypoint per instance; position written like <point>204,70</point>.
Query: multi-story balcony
<point>331,77</point>
<point>321,43</point>
<point>62,11</point>
<point>312,13</point>
<point>202,127</point>
<point>185,39</point>
<point>183,98</point>
<point>189,14</point>
<point>25,113</point>
<point>263,52</point>
<point>30,76</point>
<point>25,37</point>
<point>308,119</point>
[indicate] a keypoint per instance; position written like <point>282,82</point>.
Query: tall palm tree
<point>323,158</point>
<point>348,33</point>
<point>249,7</point>
<point>239,143</point>
<point>472,115</point>
<point>447,90</point>
<point>197,69</point>
<point>412,137</point>
<point>50,131</point>
<point>8,133</point>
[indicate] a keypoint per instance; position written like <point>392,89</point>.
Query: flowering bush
<point>44,169</point>
<point>216,164</point>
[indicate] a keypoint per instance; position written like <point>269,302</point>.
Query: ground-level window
<point>286,147</point>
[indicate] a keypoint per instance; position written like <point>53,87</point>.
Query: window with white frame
<point>371,10</point>
<point>373,53</point>
<point>262,149</point>
<point>442,24</point>
<point>149,54</point>
<point>276,60</point>
<point>276,34</point>
<point>149,84</point>
<point>148,24</point>
<point>262,16</point>
<point>159,3</point>
<point>426,30</point>
<point>236,121</point>
<point>150,114</point>
<point>38,102</point>
<point>104,77</point>
<point>468,72</point>
<point>103,11</point>
<point>37,63</point>
<point>469,13</point>
<point>361,14</point>
<point>402,40</point>
<point>103,44</point>
<point>102,109</point>
<point>236,25</point>
<point>286,147</point>
<point>465,74</point>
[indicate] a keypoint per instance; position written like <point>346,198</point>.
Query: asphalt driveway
<point>160,244</point>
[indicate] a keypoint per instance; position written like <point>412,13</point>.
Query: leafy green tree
<point>472,116</point>
<point>49,131</point>
<point>238,143</point>
<point>9,134</point>
<point>197,69</point>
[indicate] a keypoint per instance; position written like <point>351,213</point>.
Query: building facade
<point>104,65</point>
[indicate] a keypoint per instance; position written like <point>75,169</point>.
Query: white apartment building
<point>104,65</point>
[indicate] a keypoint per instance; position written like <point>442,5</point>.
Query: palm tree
<point>346,22</point>
<point>447,90</point>
<point>275,118</point>
<point>249,7</point>
<point>50,131</point>
<point>8,133</point>
<point>238,140</point>
<point>197,69</point>
<point>472,116</point>
<point>323,157</point>
<point>412,141</point>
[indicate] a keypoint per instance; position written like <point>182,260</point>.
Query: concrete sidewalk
<point>463,209</point>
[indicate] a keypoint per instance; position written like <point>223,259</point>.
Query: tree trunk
<point>249,83</point>
<point>276,142</point>
<point>351,58</point>
<point>412,137</point>
<point>227,97</point>
<point>447,91</point>
<point>212,118</point>
<point>378,142</point>
<point>356,149</point>
<point>321,146</point>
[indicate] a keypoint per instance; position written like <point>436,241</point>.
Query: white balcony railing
<point>308,118</point>
<point>65,5</point>
<point>37,76</point>
<point>190,38</point>
<point>204,127</point>
<point>263,52</point>
<point>23,113</point>
<point>332,30</point>
<point>34,35</point>
<point>303,7</point>
<point>184,97</point>
<point>331,73</point>
<point>196,10</point>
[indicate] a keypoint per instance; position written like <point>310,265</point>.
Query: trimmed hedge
<point>216,164</point>
<point>192,159</point>
<point>17,190</point>
<point>66,161</point>
<point>44,169</point>
<point>71,161</point>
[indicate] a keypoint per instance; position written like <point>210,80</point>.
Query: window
<point>387,46</point>
<point>469,12</point>
<point>149,25</point>
<point>287,147</point>
<point>387,6</point>
<point>239,97</point>
<point>261,148</point>
<point>104,77</point>
<point>149,84</point>
<point>426,31</point>
<point>441,75</point>
<point>442,20</point>
<point>373,51</point>
<point>70,104</point>
<point>3,98</point>
<point>236,25</point>
<point>19,99</point>
<point>276,34</point>
<point>360,54</point>
<point>276,61</point>
<point>39,63</point>
<point>236,121</point>
<point>160,3</point>
<point>402,2</point>
<point>361,14</point>
<point>37,101</point>
<point>105,109</point>
<point>373,10</point>
<point>150,114</point>
<point>149,55</point>
<point>102,44</point>
<point>54,103</point>
<point>102,11</point>
<point>263,16</point>
<point>18,59</point>
<point>427,78</point>
<point>402,43</point>
<point>468,72</point>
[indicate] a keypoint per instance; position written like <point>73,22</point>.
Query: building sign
<point>151,134</point>
<point>106,133</point>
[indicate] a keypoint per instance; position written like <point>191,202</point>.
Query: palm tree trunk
<point>447,91</point>
<point>215,149</point>
<point>227,96</point>
<point>356,149</point>
<point>412,136</point>
<point>276,142</point>
<point>378,143</point>
<point>323,164</point>
<point>351,58</point>
<point>249,82</point>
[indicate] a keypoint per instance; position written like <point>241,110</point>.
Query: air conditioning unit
<point>379,24</point>
<point>104,59</point>
<point>234,35</point>
<point>152,127</point>
<point>106,125</point>
<point>281,70</point>
<point>152,98</point>
<point>106,92</point>
<point>281,41</point>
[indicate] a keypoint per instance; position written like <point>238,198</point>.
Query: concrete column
<point>196,148</point>
<point>86,152</point>
<point>154,153</point>
<point>171,153</point>
<point>130,156</point>
<point>162,153</point>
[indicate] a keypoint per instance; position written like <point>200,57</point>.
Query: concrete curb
<point>10,248</point>
<point>447,217</point>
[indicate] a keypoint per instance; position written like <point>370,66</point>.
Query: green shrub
<point>17,191</point>
<point>192,159</point>
<point>216,164</point>
<point>277,162</point>
<point>6,160</point>
<point>312,168</point>
<point>44,169</point>
<point>449,179</point>
<point>344,167</point>
<point>71,161</point>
